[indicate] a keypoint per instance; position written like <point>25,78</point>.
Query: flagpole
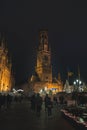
<point>68,74</point>
<point>78,72</point>
<point>68,77</point>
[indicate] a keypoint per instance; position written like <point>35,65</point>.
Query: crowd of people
<point>37,102</point>
<point>6,100</point>
<point>48,101</point>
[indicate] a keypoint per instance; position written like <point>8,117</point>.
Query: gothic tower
<point>43,65</point>
<point>5,68</point>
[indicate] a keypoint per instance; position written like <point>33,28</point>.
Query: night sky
<point>67,29</point>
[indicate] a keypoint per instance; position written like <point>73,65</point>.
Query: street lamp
<point>77,85</point>
<point>74,82</point>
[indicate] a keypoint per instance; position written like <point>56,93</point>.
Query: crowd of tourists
<point>49,101</point>
<point>6,99</point>
<point>37,102</point>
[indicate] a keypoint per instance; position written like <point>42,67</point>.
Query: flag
<point>70,74</point>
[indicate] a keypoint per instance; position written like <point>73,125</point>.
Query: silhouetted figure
<point>9,100</point>
<point>38,104</point>
<point>33,102</point>
<point>61,99</point>
<point>46,101</point>
<point>49,106</point>
<point>55,100</point>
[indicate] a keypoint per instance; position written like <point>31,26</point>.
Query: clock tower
<point>43,65</point>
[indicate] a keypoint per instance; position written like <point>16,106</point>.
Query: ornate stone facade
<point>43,66</point>
<point>5,69</point>
<point>43,80</point>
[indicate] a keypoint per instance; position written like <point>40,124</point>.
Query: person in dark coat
<point>48,105</point>
<point>39,102</point>
<point>46,101</point>
<point>33,102</point>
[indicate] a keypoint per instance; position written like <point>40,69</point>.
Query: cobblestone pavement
<point>20,117</point>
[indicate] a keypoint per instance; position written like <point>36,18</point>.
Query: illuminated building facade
<point>42,81</point>
<point>43,66</point>
<point>5,69</point>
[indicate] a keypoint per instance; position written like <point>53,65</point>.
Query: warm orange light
<point>5,71</point>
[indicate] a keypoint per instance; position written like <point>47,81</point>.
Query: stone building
<point>6,77</point>
<point>43,80</point>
